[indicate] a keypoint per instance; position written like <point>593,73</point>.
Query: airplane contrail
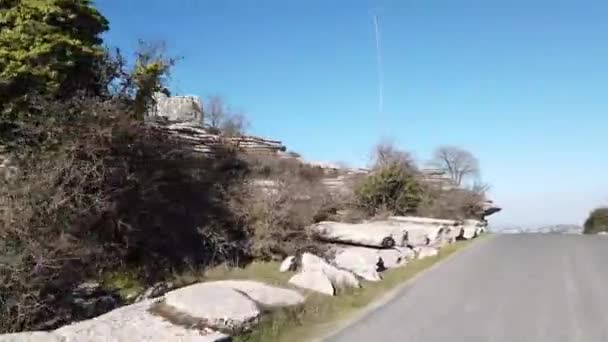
<point>379,66</point>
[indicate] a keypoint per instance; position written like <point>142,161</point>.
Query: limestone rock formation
<point>370,234</point>
<point>219,307</point>
<point>134,323</point>
<point>269,297</point>
<point>339,278</point>
<point>315,281</point>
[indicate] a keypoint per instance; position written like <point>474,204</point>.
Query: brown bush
<point>278,213</point>
<point>96,192</point>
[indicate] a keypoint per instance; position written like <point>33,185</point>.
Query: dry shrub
<point>452,204</point>
<point>279,214</point>
<point>96,192</point>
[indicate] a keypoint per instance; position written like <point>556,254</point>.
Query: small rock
<point>289,264</point>
<point>425,252</point>
<point>315,281</point>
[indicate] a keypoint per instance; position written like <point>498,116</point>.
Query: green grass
<point>320,314</point>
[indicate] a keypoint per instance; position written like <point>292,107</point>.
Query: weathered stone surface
<point>339,278</point>
<point>315,280</point>
<point>263,294</point>
<point>34,336</point>
<point>363,265</point>
<point>424,220</point>
<point>382,234</point>
<point>391,258</point>
<point>177,108</point>
<point>288,264</point>
<point>134,323</point>
<point>425,251</point>
<point>220,307</point>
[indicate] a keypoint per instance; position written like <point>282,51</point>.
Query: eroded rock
<point>339,278</point>
<point>315,280</point>
<point>219,307</point>
<point>135,323</point>
<point>289,264</point>
<point>34,336</point>
<point>265,295</point>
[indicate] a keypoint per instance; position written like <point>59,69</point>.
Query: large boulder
<point>364,265</point>
<point>381,234</point>
<point>264,295</point>
<point>388,258</point>
<point>34,336</point>
<point>315,280</point>
<point>425,220</point>
<point>134,323</point>
<point>219,307</point>
<point>339,278</point>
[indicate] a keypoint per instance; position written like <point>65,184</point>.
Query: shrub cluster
<point>597,221</point>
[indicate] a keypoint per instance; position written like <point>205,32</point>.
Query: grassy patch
<point>321,313</point>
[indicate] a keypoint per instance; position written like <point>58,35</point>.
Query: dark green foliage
<point>597,221</point>
<point>392,188</point>
<point>49,47</point>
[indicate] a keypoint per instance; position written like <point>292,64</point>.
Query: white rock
<point>287,264</point>
<point>384,234</point>
<point>313,280</point>
<point>407,253</point>
<point>134,323</point>
<point>339,278</point>
<point>266,295</point>
<point>425,251</point>
<point>469,232</point>
<point>358,263</point>
<point>220,307</point>
<point>425,220</point>
<point>33,336</point>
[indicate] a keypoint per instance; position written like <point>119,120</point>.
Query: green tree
<point>597,221</point>
<point>49,47</point>
<point>392,187</point>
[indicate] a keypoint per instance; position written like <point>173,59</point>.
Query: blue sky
<point>521,84</point>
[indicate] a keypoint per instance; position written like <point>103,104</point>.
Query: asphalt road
<point>511,288</point>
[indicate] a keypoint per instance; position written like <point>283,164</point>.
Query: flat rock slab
<point>314,280</point>
<point>264,295</point>
<point>134,323</point>
<point>384,234</point>
<point>34,336</point>
<point>219,307</point>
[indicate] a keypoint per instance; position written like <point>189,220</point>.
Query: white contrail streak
<point>379,65</point>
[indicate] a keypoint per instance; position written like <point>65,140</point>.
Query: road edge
<point>392,294</point>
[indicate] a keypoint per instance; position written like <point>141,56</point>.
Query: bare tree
<point>385,153</point>
<point>215,111</point>
<point>458,163</point>
<point>223,119</point>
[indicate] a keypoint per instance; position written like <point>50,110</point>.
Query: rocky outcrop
<point>289,264</point>
<point>370,234</point>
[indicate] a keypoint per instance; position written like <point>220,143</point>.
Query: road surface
<point>508,288</point>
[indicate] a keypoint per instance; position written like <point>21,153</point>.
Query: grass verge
<point>320,314</point>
